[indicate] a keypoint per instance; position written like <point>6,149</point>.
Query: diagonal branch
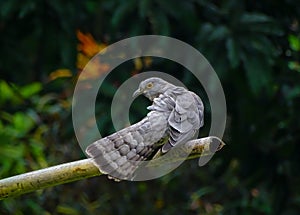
<point>48,177</point>
<point>77,170</point>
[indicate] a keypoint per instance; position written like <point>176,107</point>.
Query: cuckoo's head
<point>152,88</point>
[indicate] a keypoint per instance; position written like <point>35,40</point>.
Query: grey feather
<point>175,116</point>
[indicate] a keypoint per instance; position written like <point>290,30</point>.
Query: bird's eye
<point>149,85</point>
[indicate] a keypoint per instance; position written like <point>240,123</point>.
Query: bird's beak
<point>137,93</point>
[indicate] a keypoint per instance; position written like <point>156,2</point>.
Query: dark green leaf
<point>7,7</point>
<point>254,18</point>
<point>203,33</point>
<point>268,28</point>
<point>291,92</point>
<point>264,45</point>
<point>121,11</point>
<point>144,8</point>
<point>26,8</point>
<point>160,23</point>
<point>258,72</point>
<point>259,23</point>
<point>219,32</point>
<point>176,10</point>
<point>233,52</point>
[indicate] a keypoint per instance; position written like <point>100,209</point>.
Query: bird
<point>175,116</point>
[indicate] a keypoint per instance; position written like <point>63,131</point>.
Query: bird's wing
<point>200,108</point>
<point>185,118</point>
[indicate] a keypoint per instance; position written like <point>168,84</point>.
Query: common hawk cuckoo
<point>175,116</point>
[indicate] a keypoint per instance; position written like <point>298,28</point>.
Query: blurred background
<point>253,46</point>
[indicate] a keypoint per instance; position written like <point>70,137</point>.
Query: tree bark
<point>77,170</point>
<point>48,177</point>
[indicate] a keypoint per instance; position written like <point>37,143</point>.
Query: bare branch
<point>48,177</point>
<point>77,170</point>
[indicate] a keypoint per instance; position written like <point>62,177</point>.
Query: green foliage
<point>243,38</point>
<point>19,136</point>
<point>294,42</point>
<point>253,46</point>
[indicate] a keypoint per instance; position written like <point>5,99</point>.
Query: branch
<point>48,177</point>
<point>77,170</point>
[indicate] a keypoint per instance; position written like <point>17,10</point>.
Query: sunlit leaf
<point>293,65</point>
<point>68,210</point>
<point>36,149</point>
<point>94,70</point>
<point>31,89</point>
<point>294,42</point>
<point>88,45</point>
<point>12,151</point>
<point>6,93</point>
<point>22,123</point>
<point>60,73</point>
<point>138,64</point>
<point>201,192</point>
<point>82,61</point>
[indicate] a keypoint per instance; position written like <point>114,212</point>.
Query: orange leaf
<point>88,45</point>
<point>60,73</point>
